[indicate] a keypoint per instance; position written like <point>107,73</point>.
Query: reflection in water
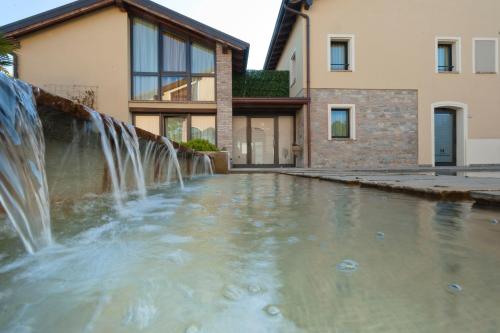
<point>258,253</point>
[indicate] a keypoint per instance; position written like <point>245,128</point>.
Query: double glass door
<point>263,141</point>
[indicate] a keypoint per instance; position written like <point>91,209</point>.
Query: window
<point>169,67</point>
<point>150,123</point>
<point>293,69</point>
<point>445,58</point>
<point>341,121</point>
<point>176,128</point>
<point>485,55</point>
<point>448,55</point>
<point>203,127</point>
<point>341,53</point>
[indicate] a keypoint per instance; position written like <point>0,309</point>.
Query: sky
<point>252,21</point>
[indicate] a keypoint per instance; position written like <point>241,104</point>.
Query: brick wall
<point>386,129</point>
<point>224,99</point>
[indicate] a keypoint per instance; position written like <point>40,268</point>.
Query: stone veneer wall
<point>386,129</point>
<point>224,99</point>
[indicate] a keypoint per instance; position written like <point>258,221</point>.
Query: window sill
<point>341,71</point>
<point>453,72</point>
<point>486,73</point>
<point>341,139</point>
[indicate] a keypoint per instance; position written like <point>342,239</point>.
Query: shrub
<point>200,145</point>
<point>256,83</point>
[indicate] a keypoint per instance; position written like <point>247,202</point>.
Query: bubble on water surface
<point>494,222</point>
<point>348,266</point>
<point>380,235</point>
<point>272,310</point>
<point>232,292</point>
<point>455,288</point>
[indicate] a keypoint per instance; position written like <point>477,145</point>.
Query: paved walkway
<point>481,184</point>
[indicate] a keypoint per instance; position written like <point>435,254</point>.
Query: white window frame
<point>352,121</point>
<point>474,40</point>
<point>293,68</point>
<point>457,42</point>
<point>351,44</point>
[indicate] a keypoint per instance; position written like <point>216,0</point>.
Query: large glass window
<point>203,127</point>
<point>148,123</point>
<point>145,88</point>
<point>176,128</point>
<point>171,68</point>
<point>145,41</point>
<point>203,89</point>
<point>340,123</point>
<point>174,89</point>
<point>174,53</point>
<point>202,59</point>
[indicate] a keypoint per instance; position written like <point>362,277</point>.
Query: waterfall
<point>108,154</point>
<point>207,163</point>
<point>206,166</point>
<point>173,160</point>
<point>23,182</point>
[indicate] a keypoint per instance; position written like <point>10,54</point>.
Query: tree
<point>7,48</point>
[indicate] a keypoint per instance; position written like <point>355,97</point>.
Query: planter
<point>220,160</point>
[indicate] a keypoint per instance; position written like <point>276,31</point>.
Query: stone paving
<point>479,184</point>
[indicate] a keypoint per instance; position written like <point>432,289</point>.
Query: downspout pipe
<point>308,77</point>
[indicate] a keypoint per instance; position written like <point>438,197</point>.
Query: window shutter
<point>485,56</point>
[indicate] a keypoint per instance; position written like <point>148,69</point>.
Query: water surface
<point>257,253</point>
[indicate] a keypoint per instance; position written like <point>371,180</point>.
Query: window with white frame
<point>341,53</point>
<point>341,121</point>
<point>293,69</point>
<point>485,55</point>
<point>448,55</point>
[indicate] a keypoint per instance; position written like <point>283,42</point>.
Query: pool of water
<point>258,253</point>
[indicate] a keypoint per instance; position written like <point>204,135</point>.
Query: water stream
<point>23,182</point>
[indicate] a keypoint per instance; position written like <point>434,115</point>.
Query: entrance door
<point>445,145</point>
<point>263,141</point>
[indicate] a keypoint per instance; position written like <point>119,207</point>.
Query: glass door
<point>262,144</point>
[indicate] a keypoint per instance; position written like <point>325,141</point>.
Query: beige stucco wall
<point>92,50</point>
<point>295,43</point>
<point>395,49</point>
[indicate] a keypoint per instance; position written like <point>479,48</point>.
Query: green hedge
<point>263,83</point>
<point>200,145</point>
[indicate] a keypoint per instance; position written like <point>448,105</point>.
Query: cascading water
<point>205,166</point>
<point>207,162</point>
<point>173,159</point>
<point>23,182</point>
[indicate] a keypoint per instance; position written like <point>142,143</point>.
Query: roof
<point>81,7</point>
<point>282,31</point>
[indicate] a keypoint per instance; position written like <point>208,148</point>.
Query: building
<point>369,84</point>
<point>393,83</point>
